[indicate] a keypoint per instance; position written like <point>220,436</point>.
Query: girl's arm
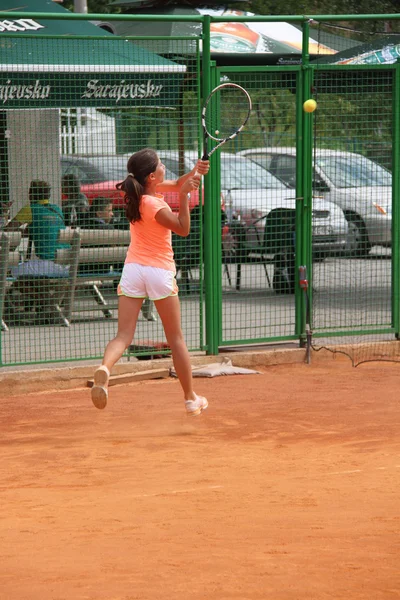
<point>179,223</point>
<point>174,185</point>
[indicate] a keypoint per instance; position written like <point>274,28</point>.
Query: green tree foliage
<point>94,6</point>
<point>278,7</point>
<point>333,7</point>
<point>297,7</point>
<point>320,7</point>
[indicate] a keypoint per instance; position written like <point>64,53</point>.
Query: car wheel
<point>358,243</point>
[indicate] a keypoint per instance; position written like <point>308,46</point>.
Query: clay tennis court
<point>286,488</point>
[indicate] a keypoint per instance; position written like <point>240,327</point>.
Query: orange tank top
<point>151,243</point>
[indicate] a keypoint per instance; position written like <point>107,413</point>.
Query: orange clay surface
<point>286,488</point>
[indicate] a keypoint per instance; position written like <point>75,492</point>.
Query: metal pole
<point>304,189</point>
<point>212,346</point>
<point>395,202</point>
<point>80,6</point>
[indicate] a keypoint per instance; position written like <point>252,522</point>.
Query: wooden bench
<point>17,293</point>
<point>95,260</point>
<point>101,257</point>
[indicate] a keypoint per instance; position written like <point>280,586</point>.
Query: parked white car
<point>251,192</point>
<point>361,187</point>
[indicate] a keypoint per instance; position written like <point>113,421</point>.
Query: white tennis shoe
<point>100,387</point>
<point>194,407</point>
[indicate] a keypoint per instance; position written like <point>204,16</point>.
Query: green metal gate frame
<point>395,250</point>
<point>304,164</point>
<point>212,192</point>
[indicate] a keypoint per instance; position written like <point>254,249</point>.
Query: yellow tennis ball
<point>309,105</point>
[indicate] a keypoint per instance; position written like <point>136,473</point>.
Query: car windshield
<point>112,168</point>
<point>240,173</point>
<point>100,168</point>
<point>354,171</point>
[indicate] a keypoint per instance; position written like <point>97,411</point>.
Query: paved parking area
<point>347,294</point>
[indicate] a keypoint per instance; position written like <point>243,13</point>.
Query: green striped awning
<point>55,62</point>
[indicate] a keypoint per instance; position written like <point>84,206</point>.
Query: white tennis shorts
<point>139,281</point>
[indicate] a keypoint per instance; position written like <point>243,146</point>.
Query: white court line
<point>186,491</point>
<point>344,472</point>
<point>361,470</point>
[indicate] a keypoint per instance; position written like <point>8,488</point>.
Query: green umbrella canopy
<point>100,72</point>
<point>383,51</point>
<point>241,41</point>
<point>347,77</point>
<point>231,42</point>
<point>160,28</point>
<point>69,54</point>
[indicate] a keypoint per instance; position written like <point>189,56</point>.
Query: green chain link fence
<point>294,189</point>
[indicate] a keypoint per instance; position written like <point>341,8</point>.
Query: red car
<point>99,175</point>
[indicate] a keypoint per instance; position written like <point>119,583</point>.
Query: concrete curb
<point>23,381</point>
<point>31,379</point>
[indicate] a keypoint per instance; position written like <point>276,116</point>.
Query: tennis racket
<point>224,115</point>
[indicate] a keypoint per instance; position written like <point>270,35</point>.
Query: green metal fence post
<point>215,234</point>
<point>299,320</point>
<point>396,202</point>
<point>303,182</point>
<point>209,261</point>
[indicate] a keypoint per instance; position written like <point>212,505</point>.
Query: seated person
<point>75,205</point>
<point>40,279</point>
<point>47,221</point>
<point>99,215</point>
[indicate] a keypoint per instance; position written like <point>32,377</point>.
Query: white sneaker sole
<point>99,389</point>
<point>197,412</point>
<point>99,396</point>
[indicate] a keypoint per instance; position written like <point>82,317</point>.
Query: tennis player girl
<point>149,270</point>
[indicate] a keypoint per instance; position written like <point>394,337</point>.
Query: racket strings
<point>226,112</point>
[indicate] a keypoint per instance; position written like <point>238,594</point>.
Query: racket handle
<point>204,157</point>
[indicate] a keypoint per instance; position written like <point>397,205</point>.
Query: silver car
<point>361,187</point>
<point>251,193</point>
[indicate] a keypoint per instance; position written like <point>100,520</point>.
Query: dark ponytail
<point>139,166</point>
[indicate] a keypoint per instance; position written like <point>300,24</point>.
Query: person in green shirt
<point>47,221</point>
<point>41,282</point>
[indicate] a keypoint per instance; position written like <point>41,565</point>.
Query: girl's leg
<point>170,315</point>
<point>128,312</point>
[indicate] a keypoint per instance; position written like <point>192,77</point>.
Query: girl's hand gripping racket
<point>225,113</point>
